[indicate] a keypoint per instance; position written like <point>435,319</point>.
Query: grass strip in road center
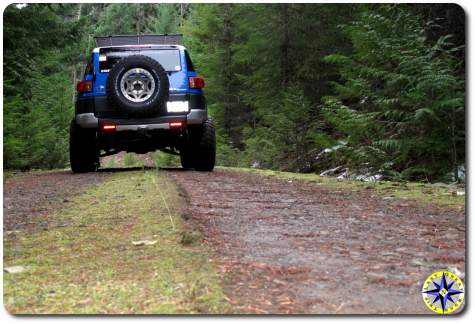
<point>120,254</point>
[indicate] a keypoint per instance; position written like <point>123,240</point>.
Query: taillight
<point>108,128</point>
<point>196,82</point>
<point>176,125</point>
<point>84,86</point>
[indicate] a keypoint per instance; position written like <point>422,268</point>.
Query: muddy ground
<point>287,247</point>
<point>291,247</point>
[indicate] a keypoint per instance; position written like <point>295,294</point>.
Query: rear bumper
<point>89,120</point>
<point>100,106</point>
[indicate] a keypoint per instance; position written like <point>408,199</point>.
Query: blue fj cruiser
<point>141,94</point>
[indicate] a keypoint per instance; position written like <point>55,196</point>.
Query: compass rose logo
<point>443,292</point>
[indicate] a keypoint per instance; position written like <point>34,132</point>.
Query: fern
<point>401,100</point>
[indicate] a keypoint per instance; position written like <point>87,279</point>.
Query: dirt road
<point>286,246</point>
<point>29,198</point>
<point>291,247</point>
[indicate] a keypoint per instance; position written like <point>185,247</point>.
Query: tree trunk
<point>284,47</point>
<point>79,12</point>
<point>75,66</point>
<point>74,84</point>
<point>139,18</point>
<point>227,63</point>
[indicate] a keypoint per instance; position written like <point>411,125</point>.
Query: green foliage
<point>165,160</point>
<point>44,58</point>
<point>265,77</point>
<point>401,104</point>
<point>38,96</point>
<point>14,145</point>
<point>226,154</point>
<point>297,87</point>
<point>131,159</point>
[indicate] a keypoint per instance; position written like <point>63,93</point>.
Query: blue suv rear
<point>141,94</point>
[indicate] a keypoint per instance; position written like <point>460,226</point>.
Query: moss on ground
<point>439,194</point>
<point>93,267</point>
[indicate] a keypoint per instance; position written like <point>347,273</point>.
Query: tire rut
<point>293,247</point>
<point>30,198</point>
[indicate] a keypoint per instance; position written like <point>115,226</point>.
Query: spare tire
<point>138,85</point>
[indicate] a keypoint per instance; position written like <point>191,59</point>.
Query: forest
<point>342,89</point>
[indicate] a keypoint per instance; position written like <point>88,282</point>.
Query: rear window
<point>168,58</point>
<point>89,69</point>
<point>189,64</point>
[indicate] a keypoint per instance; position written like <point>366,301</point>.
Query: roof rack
<point>118,40</point>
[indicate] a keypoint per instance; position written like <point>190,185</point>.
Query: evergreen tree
<point>401,107</point>
<point>299,87</point>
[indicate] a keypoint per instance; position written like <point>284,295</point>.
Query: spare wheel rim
<point>137,85</point>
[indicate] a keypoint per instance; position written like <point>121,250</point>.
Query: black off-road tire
<point>153,105</point>
<point>83,152</point>
<point>205,151</point>
<point>186,157</point>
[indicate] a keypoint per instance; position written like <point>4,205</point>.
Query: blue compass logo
<point>443,292</point>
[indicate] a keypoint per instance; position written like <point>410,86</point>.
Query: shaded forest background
<point>354,88</point>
